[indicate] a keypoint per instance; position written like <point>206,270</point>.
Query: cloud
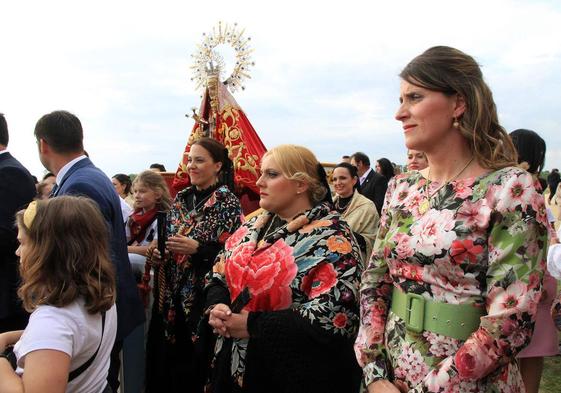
<point>325,74</point>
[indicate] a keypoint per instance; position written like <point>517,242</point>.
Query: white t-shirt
<point>74,331</point>
<point>554,258</point>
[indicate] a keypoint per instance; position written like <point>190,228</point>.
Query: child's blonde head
<point>156,182</point>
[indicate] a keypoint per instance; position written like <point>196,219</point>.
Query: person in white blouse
<point>68,285</point>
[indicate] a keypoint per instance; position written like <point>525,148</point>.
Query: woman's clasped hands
<point>228,324</point>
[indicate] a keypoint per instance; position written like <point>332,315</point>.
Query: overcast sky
<point>325,73</point>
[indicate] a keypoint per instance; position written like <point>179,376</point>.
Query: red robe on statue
<point>222,118</point>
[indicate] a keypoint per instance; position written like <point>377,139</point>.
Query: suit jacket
<point>17,189</point>
<point>374,188</point>
<point>85,179</point>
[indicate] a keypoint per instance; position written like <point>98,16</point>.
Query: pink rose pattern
<point>267,275</point>
<point>481,242</point>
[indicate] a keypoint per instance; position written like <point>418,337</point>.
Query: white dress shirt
<point>60,175</point>
<point>364,176</point>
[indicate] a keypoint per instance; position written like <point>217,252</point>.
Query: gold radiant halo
<point>208,61</point>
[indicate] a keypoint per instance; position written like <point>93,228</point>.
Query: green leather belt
<point>452,320</point>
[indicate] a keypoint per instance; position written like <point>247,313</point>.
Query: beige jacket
<point>363,218</point>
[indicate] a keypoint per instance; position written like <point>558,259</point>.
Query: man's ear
<point>43,146</point>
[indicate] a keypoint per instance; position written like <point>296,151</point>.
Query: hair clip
<point>29,214</point>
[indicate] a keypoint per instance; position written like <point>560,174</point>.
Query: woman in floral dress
<point>450,294</point>
<point>201,218</point>
<point>302,266</point>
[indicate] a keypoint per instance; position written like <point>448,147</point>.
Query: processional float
<point>219,115</point>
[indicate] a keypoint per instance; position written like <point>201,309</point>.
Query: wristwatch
<point>10,356</point>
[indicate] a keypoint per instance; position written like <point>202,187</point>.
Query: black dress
<point>176,360</point>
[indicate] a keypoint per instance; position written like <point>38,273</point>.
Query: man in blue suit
<point>60,140</point>
<point>17,189</point>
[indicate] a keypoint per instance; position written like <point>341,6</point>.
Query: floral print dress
<point>482,241</point>
<point>304,280</point>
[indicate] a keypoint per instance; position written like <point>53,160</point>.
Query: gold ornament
<point>208,62</point>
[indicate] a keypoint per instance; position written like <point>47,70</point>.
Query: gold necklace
<point>425,204</point>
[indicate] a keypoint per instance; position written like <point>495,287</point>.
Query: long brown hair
<point>451,71</point>
<point>67,255</point>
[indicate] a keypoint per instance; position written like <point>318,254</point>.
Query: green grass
<point>551,378</point>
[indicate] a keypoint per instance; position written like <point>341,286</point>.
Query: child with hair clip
<point>151,195</point>
<point>68,286</point>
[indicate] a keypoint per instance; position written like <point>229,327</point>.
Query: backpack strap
<point>77,372</point>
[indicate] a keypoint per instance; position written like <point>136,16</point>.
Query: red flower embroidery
<point>319,280</point>
<point>236,237</point>
<point>267,274</point>
<point>465,249</point>
<point>340,320</point>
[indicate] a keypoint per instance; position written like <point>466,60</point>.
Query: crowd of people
<point>437,278</point>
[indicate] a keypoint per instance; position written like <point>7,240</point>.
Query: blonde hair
<point>67,255</point>
<point>300,164</point>
<point>451,71</point>
<point>156,182</point>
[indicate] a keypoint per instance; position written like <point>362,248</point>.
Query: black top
<point>197,198</point>
<point>342,203</point>
<point>17,189</point>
